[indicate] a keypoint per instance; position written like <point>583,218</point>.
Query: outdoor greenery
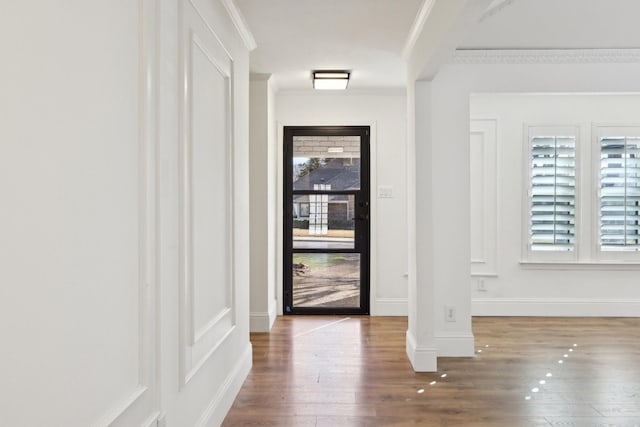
<point>311,165</point>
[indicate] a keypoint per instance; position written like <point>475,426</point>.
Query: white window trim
<point>581,265</point>
<point>528,255</point>
<point>600,256</point>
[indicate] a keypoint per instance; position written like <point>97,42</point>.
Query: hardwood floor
<point>341,371</point>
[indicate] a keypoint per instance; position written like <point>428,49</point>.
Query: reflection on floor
<point>326,280</point>
<point>331,371</point>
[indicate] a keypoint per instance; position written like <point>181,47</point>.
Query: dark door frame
<point>362,215</point>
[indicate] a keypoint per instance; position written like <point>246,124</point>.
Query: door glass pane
<point>323,221</point>
<point>326,163</point>
<point>326,280</point>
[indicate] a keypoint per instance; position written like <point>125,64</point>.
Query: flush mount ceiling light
<point>330,79</point>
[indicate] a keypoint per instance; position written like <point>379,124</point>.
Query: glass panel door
<point>326,224</point>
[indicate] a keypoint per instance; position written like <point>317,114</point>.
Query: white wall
<point>482,72</point>
<point>110,313</point>
<point>442,196</point>
<point>385,112</point>
<point>582,288</point>
<point>76,339</point>
<point>204,216</point>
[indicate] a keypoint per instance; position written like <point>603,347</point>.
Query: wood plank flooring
<point>353,371</point>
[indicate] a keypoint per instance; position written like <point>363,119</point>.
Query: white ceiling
<point>558,24</point>
<point>368,36</point>
<point>297,36</point>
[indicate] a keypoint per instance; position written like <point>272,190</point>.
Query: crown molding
<point>240,24</point>
<point>494,8</point>
<point>545,56</point>
<point>416,28</point>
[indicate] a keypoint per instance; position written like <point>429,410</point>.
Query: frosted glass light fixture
<point>330,79</point>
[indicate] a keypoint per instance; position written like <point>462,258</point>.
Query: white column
<point>421,348</point>
<point>450,201</point>
<point>262,203</point>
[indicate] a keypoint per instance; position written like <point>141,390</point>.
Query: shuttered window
<point>619,193</point>
<point>552,201</point>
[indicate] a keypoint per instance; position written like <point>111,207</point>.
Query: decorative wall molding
<point>149,233</point>
<point>484,175</point>
<point>222,70</point>
<point>562,307</point>
<point>221,403</point>
<point>198,361</point>
<point>152,420</point>
<point>241,25</point>
<point>204,20</point>
<point>495,7</point>
<point>120,409</point>
<point>143,400</point>
<point>416,28</point>
<point>205,328</point>
<point>546,56</point>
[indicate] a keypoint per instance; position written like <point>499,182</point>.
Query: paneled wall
<point>484,185</point>
<point>124,184</point>
<point>77,300</point>
<point>518,285</point>
<point>206,192</point>
<point>518,288</point>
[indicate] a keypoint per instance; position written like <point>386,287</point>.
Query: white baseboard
<point>563,307</point>
<point>219,406</point>
<point>262,321</point>
<point>455,345</point>
<point>423,359</point>
<point>390,307</point>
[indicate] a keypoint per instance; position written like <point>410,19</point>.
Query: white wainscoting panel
<point>208,165</point>
<point>484,186</point>
<point>218,407</point>
<point>478,211</point>
<point>206,253</point>
<point>142,402</point>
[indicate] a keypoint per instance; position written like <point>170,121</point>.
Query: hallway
<point>340,371</point>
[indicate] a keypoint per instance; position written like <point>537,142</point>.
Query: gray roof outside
<point>339,175</point>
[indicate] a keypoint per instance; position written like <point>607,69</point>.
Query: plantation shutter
<point>552,193</point>
<point>619,193</point>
